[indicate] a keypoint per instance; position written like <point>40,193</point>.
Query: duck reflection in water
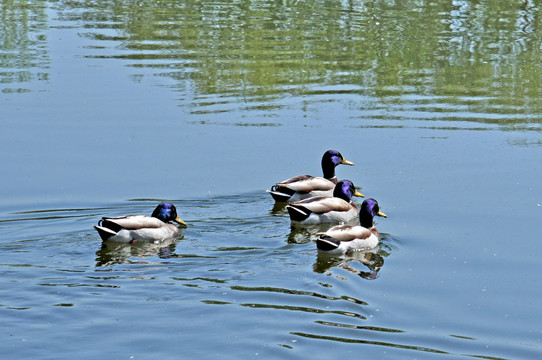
<point>304,234</point>
<point>372,259</point>
<point>112,253</point>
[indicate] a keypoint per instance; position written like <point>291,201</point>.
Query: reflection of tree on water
<point>465,53</point>
<point>24,57</point>
<point>483,51</point>
<point>372,260</point>
<point>119,253</point>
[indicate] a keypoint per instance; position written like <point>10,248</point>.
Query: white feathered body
<point>321,210</point>
<point>133,228</point>
<point>343,239</point>
<point>302,187</point>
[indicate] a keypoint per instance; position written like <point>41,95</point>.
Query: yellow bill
<point>180,222</point>
<point>357,193</point>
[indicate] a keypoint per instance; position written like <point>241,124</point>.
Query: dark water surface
<point>110,107</point>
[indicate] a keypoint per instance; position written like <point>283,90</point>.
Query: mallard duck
<point>320,210</point>
<point>306,186</point>
<point>132,228</point>
<point>343,239</point>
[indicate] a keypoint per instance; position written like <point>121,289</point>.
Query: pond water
<point>111,107</point>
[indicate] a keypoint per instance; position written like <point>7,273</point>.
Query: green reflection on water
<point>451,56</point>
<point>23,45</point>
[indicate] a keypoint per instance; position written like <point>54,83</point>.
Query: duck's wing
<point>132,222</point>
<point>321,205</point>
<point>306,184</point>
<point>344,233</point>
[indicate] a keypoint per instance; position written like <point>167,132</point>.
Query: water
<point>110,108</point>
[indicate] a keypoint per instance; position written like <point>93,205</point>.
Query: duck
<point>323,210</point>
<point>141,228</point>
<point>306,186</point>
<point>343,239</point>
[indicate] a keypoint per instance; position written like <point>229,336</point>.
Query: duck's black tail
<point>104,232</point>
<point>327,243</point>
<point>298,212</point>
<point>281,193</point>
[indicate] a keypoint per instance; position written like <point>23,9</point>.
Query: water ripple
<point>298,292</point>
<point>369,342</point>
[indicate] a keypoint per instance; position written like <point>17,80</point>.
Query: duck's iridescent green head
<point>167,212</point>
<point>345,190</point>
<point>369,209</point>
<point>330,160</point>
